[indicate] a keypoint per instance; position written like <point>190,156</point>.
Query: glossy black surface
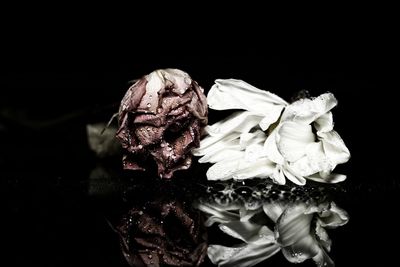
<point>56,216</point>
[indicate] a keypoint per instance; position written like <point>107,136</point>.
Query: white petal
<point>221,155</point>
<point>323,237</point>
<point>293,225</point>
<point>244,255</point>
<point>241,121</point>
<point>271,115</point>
<point>257,137</point>
<point>334,147</point>
<point>247,214</point>
<point>223,170</point>
<point>241,169</point>
<point>294,177</point>
<point>243,230</point>
<point>324,123</point>
<point>277,176</point>
<point>271,148</point>
<point>332,178</point>
<point>261,168</point>
<point>294,138</point>
<point>210,144</point>
<point>237,94</point>
<point>334,217</point>
<point>304,249</point>
<point>308,110</point>
<point>274,209</point>
<point>322,259</point>
<point>217,214</point>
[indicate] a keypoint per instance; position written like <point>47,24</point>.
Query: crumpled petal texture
<point>162,233</point>
<point>161,117</point>
<point>270,138</point>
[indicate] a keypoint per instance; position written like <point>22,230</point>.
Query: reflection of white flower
<point>271,138</point>
<point>299,232</point>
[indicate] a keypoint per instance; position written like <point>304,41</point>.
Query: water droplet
<point>140,146</point>
<point>161,222</point>
<point>140,212</point>
<point>150,256</point>
<point>148,105</point>
<point>243,183</point>
<point>162,145</point>
<point>150,96</point>
<point>148,129</point>
<point>169,148</point>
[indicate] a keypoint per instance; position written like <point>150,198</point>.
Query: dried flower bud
<point>162,116</point>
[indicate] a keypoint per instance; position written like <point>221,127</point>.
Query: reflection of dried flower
<point>161,116</point>
<point>163,233</point>
<point>299,231</point>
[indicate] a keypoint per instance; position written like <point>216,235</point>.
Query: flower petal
<point>237,94</point>
<point>245,255</point>
<point>334,147</point>
<point>217,214</point>
<point>334,217</point>
<point>323,259</point>
<point>241,121</point>
<point>306,111</point>
<point>212,144</point>
<point>243,230</point>
<point>323,237</point>
<point>293,140</point>
<point>331,178</point>
<point>304,249</point>
<point>294,177</point>
<point>240,169</point>
<point>313,162</point>
<point>274,209</point>
<point>293,225</point>
<point>324,123</point>
<point>271,148</point>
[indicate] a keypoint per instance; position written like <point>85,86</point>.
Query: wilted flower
<point>161,116</point>
<point>271,138</point>
<point>163,233</point>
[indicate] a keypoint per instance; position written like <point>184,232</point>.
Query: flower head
<point>161,116</point>
<point>270,137</point>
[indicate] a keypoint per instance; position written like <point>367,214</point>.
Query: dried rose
<point>163,233</point>
<point>162,116</point>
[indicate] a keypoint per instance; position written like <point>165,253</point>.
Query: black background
<point>49,92</point>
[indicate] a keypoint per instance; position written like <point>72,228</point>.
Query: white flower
<point>271,138</point>
<point>299,232</point>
